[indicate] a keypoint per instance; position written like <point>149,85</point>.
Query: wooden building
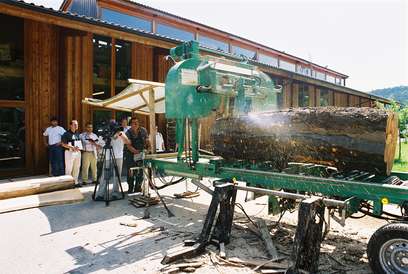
<point>50,60</point>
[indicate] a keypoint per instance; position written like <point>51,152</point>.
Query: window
<point>173,32</point>
<point>11,58</point>
<point>12,138</point>
<point>12,115</point>
<point>269,60</point>
<point>287,66</point>
<point>123,68</point>
<point>338,81</point>
<point>324,97</point>
<point>101,67</point>
<point>245,52</point>
<point>302,69</point>
<point>330,78</point>
<point>320,75</point>
<point>126,20</point>
<point>303,95</point>
<point>212,43</point>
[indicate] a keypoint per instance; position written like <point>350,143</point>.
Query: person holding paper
<point>89,153</point>
<point>72,143</point>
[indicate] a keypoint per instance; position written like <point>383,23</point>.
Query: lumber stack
<point>38,192</point>
<point>347,138</point>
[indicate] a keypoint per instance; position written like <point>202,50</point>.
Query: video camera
<point>109,129</point>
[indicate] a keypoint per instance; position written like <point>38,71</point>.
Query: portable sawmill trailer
<point>196,86</point>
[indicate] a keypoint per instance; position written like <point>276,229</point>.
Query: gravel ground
<point>88,237</point>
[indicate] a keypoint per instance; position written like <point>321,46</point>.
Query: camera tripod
<point>109,169</point>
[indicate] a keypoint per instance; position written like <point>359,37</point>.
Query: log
<point>45,199</point>
<point>346,138</point>
<point>308,237</point>
<point>35,186</point>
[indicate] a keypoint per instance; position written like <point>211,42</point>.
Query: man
<point>72,143</point>
<point>118,141</point>
<point>124,125</point>
<point>159,142</point>
<point>89,153</point>
<point>52,138</point>
<point>138,138</point>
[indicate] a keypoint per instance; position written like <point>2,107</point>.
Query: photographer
<point>138,138</point>
<point>89,153</point>
<point>117,141</point>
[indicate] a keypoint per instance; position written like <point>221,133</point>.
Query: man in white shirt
<point>89,153</point>
<point>159,142</point>
<point>124,124</point>
<point>72,143</point>
<point>52,140</point>
<point>118,141</point>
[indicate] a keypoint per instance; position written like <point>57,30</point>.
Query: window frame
<point>255,58</point>
<point>22,104</point>
<point>149,20</point>
<point>112,86</point>
<point>199,35</point>
<point>167,24</point>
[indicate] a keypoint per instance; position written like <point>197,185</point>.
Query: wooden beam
<point>144,99</point>
<point>156,101</point>
<point>152,120</point>
<point>45,199</point>
<point>128,95</point>
<point>35,186</point>
<point>266,237</point>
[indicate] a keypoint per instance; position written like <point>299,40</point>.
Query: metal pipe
<point>288,195</point>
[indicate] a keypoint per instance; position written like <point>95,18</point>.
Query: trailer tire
<point>387,249</point>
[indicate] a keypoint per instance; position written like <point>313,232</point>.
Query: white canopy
<point>139,97</point>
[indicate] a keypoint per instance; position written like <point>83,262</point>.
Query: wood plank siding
<point>76,76</point>
<point>41,84</point>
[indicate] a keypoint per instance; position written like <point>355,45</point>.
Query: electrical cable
<point>243,210</point>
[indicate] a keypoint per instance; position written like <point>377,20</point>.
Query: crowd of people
<point>71,152</point>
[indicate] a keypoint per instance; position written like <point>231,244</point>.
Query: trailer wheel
<point>387,249</point>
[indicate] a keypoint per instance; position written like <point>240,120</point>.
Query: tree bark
<point>347,138</point>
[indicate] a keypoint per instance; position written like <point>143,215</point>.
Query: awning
<point>139,97</point>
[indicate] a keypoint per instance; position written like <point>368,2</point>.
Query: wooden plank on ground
<point>35,186</point>
<point>45,199</point>
<point>266,237</point>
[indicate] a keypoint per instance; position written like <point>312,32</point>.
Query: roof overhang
<point>139,96</point>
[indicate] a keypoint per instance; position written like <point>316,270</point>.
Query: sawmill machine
<point>199,86</point>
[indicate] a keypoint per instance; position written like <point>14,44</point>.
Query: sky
<point>366,40</point>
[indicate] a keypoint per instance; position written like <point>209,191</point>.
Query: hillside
<point>399,93</point>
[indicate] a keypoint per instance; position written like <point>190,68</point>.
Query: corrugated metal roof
<point>84,7</point>
<point>95,21</point>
